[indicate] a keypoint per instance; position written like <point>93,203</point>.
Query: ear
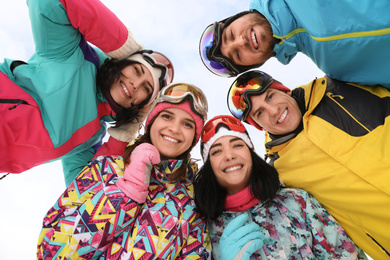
<point>222,25</point>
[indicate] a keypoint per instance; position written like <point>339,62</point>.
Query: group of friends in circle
<point>322,192</point>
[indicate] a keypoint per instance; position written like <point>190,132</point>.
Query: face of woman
<point>172,132</point>
<point>231,162</point>
<point>135,84</point>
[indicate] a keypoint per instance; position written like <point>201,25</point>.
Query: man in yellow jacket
<point>331,139</point>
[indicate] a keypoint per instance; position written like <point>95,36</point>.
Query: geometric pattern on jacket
<point>94,219</point>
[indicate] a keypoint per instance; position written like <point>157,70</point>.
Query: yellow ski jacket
<point>342,157</point>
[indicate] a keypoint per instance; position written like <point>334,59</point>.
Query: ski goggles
<point>159,60</point>
<point>179,92</point>
<point>211,127</point>
<point>247,84</point>
<point>209,50</point>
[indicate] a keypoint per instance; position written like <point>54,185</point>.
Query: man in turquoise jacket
<point>348,40</point>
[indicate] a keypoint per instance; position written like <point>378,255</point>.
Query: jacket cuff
<point>128,48</point>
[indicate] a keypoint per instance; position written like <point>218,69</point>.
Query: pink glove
<point>136,178</point>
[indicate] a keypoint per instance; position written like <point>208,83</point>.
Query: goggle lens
<point>210,127</point>
<point>162,59</point>
<point>206,43</point>
<point>237,101</point>
<point>176,93</point>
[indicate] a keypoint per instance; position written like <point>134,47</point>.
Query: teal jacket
<point>348,40</point>
<point>59,81</point>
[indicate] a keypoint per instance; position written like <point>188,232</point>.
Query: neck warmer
<point>240,201</point>
<point>114,106</point>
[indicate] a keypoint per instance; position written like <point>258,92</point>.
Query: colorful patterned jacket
<point>348,40</point>
<point>295,226</point>
<point>57,112</point>
<point>94,219</point>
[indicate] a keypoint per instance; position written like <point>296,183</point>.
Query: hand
<point>240,240</point>
<point>136,177</point>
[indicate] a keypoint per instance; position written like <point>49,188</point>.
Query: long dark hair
<point>210,197</point>
<point>107,74</point>
<point>181,173</point>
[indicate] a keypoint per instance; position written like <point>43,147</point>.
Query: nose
<point>174,126</point>
<point>239,42</point>
<point>271,109</point>
<point>229,155</point>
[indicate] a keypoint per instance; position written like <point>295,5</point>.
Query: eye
<point>137,71</point>
<point>215,152</point>
<point>166,116</point>
<point>231,35</point>
<point>238,145</point>
<point>259,112</point>
<point>147,89</point>
<point>270,96</point>
<point>189,125</point>
<point>238,55</point>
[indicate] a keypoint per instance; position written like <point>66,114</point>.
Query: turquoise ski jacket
<point>348,40</point>
<point>51,107</point>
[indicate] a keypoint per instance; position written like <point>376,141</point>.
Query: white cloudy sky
<point>170,26</point>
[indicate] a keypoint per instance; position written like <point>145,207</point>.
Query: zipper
<point>376,242</point>
<point>17,102</point>
<point>335,37</point>
<point>331,96</point>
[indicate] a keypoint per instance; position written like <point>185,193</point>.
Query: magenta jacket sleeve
<point>101,27</point>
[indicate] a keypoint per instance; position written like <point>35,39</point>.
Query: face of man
<point>248,40</point>
<point>275,111</point>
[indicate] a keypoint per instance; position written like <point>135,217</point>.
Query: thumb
<point>235,224</point>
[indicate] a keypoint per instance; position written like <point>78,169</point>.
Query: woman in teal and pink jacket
<point>56,105</point>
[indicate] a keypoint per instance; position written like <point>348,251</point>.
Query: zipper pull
<point>20,102</point>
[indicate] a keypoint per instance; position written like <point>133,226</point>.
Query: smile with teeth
<point>233,168</point>
<point>283,116</point>
<point>170,139</point>
<point>125,90</point>
<point>254,40</point>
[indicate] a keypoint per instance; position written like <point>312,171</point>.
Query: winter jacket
<point>295,226</point>
<point>94,219</point>
<point>50,108</point>
<point>348,40</point>
<point>342,158</point>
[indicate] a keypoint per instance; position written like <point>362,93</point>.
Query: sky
<point>172,27</point>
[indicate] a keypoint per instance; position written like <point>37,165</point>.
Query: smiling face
<point>135,84</point>
<point>231,162</point>
<point>172,132</point>
<point>248,40</point>
<point>275,111</point>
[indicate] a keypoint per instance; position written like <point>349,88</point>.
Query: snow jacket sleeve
<point>101,27</point>
<point>89,214</point>
<point>59,25</point>
<point>329,238</point>
<point>73,164</point>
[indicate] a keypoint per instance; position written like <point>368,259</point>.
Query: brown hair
<point>180,174</point>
